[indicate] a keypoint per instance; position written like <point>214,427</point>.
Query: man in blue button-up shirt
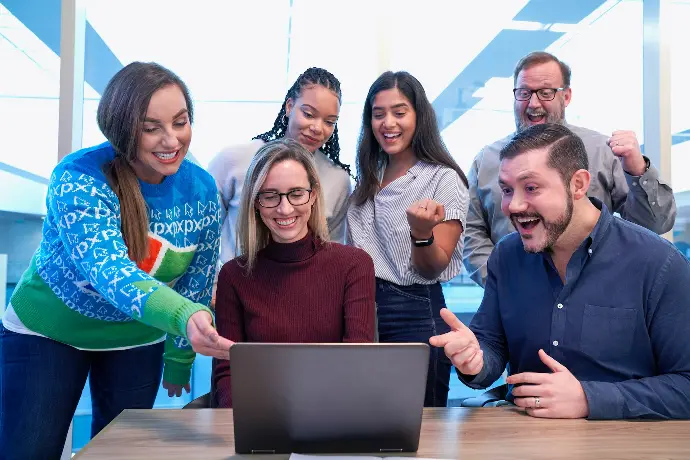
<point>590,312</point>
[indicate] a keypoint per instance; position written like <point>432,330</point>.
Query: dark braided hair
<point>311,76</point>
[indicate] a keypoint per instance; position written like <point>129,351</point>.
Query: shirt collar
<point>601,228</point>
<point>592,242</point>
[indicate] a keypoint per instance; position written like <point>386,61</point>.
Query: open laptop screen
<point>328,397</point>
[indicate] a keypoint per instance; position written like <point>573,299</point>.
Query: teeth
<point>165,156</point>
<point>524,220</point>
<point>390,136</point>
<point>286,221</point>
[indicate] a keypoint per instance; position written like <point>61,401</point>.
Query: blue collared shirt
<point>620,323</point>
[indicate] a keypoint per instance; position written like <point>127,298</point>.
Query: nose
<point>316,127</point>
<point>284,207</point>
<point>534,101</point>
<point>516,204</point>
<point>388,121</point>
<point>169,140</point>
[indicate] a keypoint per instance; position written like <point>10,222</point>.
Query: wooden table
<point>455,433</point>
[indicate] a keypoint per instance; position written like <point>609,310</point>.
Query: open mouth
<point>391,137</point>
<point>167,157</point>
<point>536,117</point>
<point>286,222</point>
<point>527,224</point>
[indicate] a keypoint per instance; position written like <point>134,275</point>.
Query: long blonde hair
<point>252,233</point>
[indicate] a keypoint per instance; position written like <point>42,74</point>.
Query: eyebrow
<point>317,111</point>
<point>521,178</point>
<point>527,176</point>
<point>154,120</point>
<point>275,190</point>
<point>396,106</point>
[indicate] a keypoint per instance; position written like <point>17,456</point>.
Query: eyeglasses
<point>544,94</point>
<point>295,197</point>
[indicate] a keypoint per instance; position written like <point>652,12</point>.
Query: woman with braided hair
<point>308,115</point>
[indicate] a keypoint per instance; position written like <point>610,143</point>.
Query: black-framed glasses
<point>543,94</point>
<point>295,197</point>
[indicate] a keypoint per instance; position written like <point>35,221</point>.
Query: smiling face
<point>536,200</point>
<point>393,121</point>
<point>165,136</point>
<point>312,116</point>
<point>535,111</point>
<point>287,222</point>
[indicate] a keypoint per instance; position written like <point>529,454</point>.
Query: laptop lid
<point>328,398</point>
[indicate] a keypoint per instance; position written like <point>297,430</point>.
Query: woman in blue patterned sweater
<point>127,258</point>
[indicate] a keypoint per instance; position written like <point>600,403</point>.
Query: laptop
<point>328,398</point>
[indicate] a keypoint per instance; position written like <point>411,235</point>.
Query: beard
<point>553,228</point>
<point>522,121</point>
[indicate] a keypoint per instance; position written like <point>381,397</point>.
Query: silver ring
<point>537,402</point>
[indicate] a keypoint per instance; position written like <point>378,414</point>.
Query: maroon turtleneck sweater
<point>302,292</point>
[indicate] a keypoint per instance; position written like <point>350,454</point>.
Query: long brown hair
<point>427,143</point>
<point>121,113</point>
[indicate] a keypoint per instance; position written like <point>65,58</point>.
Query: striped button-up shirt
<point>380,226</point>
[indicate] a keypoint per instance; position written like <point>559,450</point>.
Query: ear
<point>567,95</point>
<point>579,184</point>
<point>289,105</point>
<point>314,196</point>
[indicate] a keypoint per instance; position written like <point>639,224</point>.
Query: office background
<point>629,61</point>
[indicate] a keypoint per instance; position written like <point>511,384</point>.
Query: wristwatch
<point>421,243</point>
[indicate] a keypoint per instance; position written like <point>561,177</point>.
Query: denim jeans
<point>41,381</point>
<point>411,314</point>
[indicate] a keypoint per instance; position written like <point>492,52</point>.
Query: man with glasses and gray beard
<point>622,178</point>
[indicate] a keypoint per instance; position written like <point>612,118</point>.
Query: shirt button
<point>555,343</point>
<point>560,305</point>
<point>644,182</point>
<point>590,251</point>
<point>634,183</point>
<point>653,203</point>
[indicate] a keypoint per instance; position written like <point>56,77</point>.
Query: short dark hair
<point>567,152</point>
<point>542,57</point>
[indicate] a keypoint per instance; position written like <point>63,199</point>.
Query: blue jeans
<point>41,381</point>
<point>411,314</point>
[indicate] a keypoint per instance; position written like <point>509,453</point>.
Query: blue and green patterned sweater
<point>82,289</point>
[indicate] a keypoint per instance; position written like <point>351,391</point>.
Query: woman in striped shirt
<point>408,212</point>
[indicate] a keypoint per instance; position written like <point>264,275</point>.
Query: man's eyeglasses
<point>295,197</point>
<point>544,94</point>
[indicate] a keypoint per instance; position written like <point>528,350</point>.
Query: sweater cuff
<point>177,373</point>
<point>604,399</point>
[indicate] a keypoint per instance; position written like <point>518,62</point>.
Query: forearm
<point>659,397</point>
<point>429,261</point>
<point>649,202</point>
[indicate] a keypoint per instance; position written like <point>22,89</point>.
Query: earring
<point>285,119</point>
